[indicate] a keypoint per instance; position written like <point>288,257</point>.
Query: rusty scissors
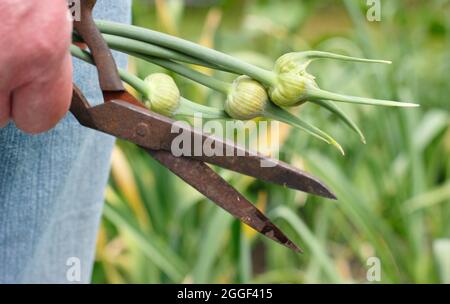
<point>123,116</point>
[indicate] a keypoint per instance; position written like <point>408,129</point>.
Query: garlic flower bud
<point>290,62</point>
<point>293,85</point>
<point>163,95</point>
<point>291,88</point>
<point>299,61</point>
<point>247,99</point>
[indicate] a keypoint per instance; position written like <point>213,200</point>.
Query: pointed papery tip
<point>409,105</point>
<point>379,61</point>
<point>362,138</point>
<point>339,147</point>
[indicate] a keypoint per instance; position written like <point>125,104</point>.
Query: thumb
<point>5,108</point>
<point>38,105</point>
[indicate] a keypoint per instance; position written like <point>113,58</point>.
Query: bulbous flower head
<point>299,61</point>
<point>291,88</point>
<point>294,83</point>
<point>291,62</point>
<point>163,95</point>
<point>247,99</point>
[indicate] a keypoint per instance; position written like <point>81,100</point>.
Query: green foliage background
<point>394,192</point>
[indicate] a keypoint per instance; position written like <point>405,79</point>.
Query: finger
<point>41,104</point>
<point>5,109</point>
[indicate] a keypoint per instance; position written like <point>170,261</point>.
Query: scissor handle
<point>107,69</point>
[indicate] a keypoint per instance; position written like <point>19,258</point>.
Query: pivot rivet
<point>142,129</point>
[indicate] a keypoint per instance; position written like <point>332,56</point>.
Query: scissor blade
<point>278,172</point>
<point>210,184</point>
<point>157,132</point>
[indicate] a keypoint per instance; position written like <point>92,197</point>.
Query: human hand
<point>36,67</point>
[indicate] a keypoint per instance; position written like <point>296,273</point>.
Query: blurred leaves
<point>441,249</point>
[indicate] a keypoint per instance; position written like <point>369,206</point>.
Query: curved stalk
<point>208,81</point>
<point>333,108</point>
<point>312,55</point>
<point>316,93</point>
<point>277,113</point>
<point>134,81</point>
<point>212,56</point>
<point>140,86</point>
<point>187,108</point>
<point>127,45</point>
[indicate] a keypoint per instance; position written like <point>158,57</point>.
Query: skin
<point>36,67</point>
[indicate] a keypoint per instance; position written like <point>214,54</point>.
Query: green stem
<point>316,93</point>
<point>311,55</point>
<point>187,108</point>
<point>134,81</point>
<point>153,54</point>
<point>277,113</point>
<point>333,108</point>
<point>128,45</point>
<point>208,81</point>
<point>212,56</point>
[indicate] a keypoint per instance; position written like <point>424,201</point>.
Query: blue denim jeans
<point>52,186</point>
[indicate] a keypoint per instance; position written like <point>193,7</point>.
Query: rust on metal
<point>107,70</point>
<point>120,118</point>
<point>214,187</point>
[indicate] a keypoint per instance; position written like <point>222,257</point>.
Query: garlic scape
<point>333,108</point>
<point>245,99</point>
<point>292,88</point>
<point>294,85</point>
<point>159,92</point>
<point>261,93</point>
<point>210,56</point>
<point>284,90</point>
<point>288,84</point>
<point>280,114</point>
<point>248,99</point>
<point>251,94</point>
<point>299,61</point>
<point>163,95</point>
<point>129,46</point>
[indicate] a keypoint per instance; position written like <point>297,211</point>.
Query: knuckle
<point>52,37</point>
